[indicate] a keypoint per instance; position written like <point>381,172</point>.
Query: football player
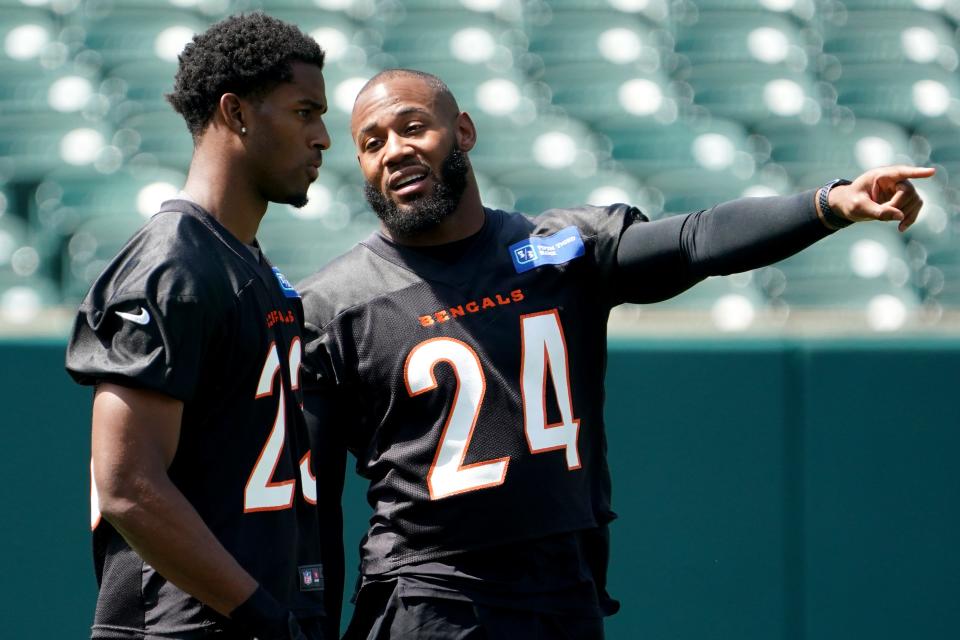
<point>203,516</point>
<point>459,353</point>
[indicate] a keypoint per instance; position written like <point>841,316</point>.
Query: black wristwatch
<point>832,219</point>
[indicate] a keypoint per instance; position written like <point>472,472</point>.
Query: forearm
<point>160,524</point>
<point>660,259</point>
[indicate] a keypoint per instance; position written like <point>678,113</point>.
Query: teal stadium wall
<point>766,490</point>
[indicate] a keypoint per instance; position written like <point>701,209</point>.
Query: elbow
<point>120,498</point>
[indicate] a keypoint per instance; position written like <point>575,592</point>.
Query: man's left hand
<point>885,193</point>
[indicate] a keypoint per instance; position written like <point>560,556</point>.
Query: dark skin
<point>401,123</point>
<point>233,175</point>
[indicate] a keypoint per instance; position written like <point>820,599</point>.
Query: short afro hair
<point>247,55</point>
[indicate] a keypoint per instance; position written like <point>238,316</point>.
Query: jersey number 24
<point>543,348</point>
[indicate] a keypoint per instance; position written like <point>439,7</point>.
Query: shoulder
<point>591,220</point>
<point>352,279</point>
<point>173,255</point>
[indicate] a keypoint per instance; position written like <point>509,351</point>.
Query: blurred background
<point>796,479</point>
<point>671,106</point>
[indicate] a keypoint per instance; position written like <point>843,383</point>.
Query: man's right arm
<point>135,436</point>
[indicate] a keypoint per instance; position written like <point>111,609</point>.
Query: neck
<point>216,182</point>
<point>466,220</point>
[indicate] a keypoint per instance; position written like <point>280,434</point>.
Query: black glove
<point>264,618</point>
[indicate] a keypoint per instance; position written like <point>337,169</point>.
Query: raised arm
<point>658,260</point>
<point>135,436</point>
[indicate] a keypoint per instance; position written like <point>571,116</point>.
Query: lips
<point>407,178</point>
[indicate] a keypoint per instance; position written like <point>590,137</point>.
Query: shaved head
<point>442,95</point>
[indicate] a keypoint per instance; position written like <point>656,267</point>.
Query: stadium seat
<point>23,299</point>
<point>68,197</point>
<point>597,36</point>
<point>549,142</point>
<point>732,303</point>
<point>37,143</point>
<point>688,190</point>
<point>300,247</point>
<point>29,87</point>
<point>849,270</point>
<point>538,190</point>
<point>145,33</point>
<point>159,137</point>
<point>599,91</point>
<point>90,248</point>
<point>644,146</point>
<point>898,37</point>
<point>27,34</point>
<point>653,11</point>
<point>746,37</point>
<point>140,86</point>
<point>754,92</point>
<point>814,154</point>
<point>943,136</point>
<point>907,94</point>
<point>420,37</point>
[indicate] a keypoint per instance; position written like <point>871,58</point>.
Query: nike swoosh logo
<point>139,318</point>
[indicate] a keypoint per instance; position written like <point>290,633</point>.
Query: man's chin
<point>297,201</point>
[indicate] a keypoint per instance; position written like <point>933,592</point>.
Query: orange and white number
<point>262,492</point>
<point>543,348</point>
<point>448,475</point>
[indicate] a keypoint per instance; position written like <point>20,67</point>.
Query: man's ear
<point>466,131</point>
<point>233,111</point>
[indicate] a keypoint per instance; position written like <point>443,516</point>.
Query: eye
<point>303,113</point>
<point>413,127</point>
<point>372,144</point>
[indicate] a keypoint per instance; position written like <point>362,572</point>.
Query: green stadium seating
<point>140,86</point>
<point>754,92</point>
<point>159,137</point>
<point>907,94</point>
<point>420,37</point>
<point>22,299</point>
<point>26,32</point>
<point>687,190</point>
<point>39,142</point>
<point>597,92</point>
<point>90,248</point>
<point>813,154</point>
<point>29,87</point>
<point>900,37</point>
<point>300,247</point>
<point>549,142</point>
<point>538,190</point>
<point>849,270</point>
<point>747,37</point>
<point>123,35</point>
<point>597,36</point>
<point>653,11</point>
<point>68,197</point>
<point>644,146</point>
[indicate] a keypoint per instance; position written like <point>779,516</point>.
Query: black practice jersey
<point>474,390</point>
<point>186,309</point>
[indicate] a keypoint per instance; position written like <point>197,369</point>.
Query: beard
<point>430,210</point>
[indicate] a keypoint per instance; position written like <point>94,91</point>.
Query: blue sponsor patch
<point>562,246</point>
<point>285,285</point>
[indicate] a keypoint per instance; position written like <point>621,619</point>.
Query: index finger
<point>905,172</point>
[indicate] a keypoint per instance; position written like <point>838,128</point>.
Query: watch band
<point>832,220</point>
